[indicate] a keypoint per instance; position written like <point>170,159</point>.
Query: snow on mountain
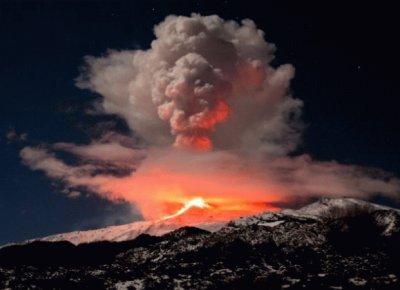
<point>336,243</point>
<point>320,208</point>
<point>125,232</point>
<point>267,219</point>
<point>324,204</point>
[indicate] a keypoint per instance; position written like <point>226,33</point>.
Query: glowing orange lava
<point>195,202</point>
<point>198,188</point>
<point>209,209</point>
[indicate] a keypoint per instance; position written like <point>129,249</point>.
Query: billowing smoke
<point>217,120</point>
<point>203,82</point>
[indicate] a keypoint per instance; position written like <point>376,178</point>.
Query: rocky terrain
<point>331,244</point>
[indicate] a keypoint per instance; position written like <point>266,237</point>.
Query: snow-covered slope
<point>324,204</point>
<point>315,210</point>
<point>339,243</point>
<point>125,232</point>
<point>268,219</point>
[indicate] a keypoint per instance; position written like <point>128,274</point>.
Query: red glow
<point>198,142</point>
<point>198,127</point>
<point>160,194</point>
<point>213,209</point>
<point>170,179</point>
<point>195,202</point>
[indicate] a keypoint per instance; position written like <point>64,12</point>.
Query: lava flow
<point>195,202</point>
<point>198,210</point>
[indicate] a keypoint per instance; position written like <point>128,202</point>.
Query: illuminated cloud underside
<point>218,121</point>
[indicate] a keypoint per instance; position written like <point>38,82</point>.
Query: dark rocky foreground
<point>352,248</point>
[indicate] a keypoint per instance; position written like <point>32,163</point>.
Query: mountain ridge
<point>158,228</point>
<point>350,244</point>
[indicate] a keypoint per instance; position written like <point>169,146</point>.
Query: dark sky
<point>346,61</point>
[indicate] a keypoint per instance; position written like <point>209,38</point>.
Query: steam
<point>218,121</point>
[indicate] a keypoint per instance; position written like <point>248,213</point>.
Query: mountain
<point>339,243</point>
<point>126,232</point>
<point>326,204</point>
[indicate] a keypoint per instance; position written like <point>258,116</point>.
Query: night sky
<point>346,64</point>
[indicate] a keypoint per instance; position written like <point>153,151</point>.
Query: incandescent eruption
<point>195,202</point>
<point>210,114</point>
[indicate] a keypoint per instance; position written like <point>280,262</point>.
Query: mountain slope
<point>325,204</point>
<point>130,231</point>
<point>125,232</point>
<point>316,247</point>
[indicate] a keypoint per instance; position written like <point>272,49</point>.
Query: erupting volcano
<point>175,158</point>
<point>210,123</point>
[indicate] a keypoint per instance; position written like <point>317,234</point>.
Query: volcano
<point>333,243</point>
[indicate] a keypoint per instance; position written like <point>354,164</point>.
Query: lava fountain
<point>198,210</point>
<point>195,202</point>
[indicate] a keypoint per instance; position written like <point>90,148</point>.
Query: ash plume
<point>214,118</point>
<point>203,83</point>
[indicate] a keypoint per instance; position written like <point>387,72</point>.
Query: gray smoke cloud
<point>205,83</point>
